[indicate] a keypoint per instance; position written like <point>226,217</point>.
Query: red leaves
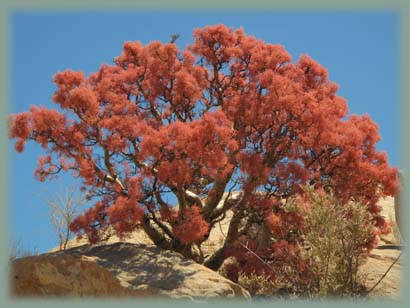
<point>88,222</point>
<point>190,227</point>
<point>275,223</point>
<point>84,101</point>
<point>315,74</point>
<point>183,148</point>
<point>19,146</point>
<point>66,81</point>
<point>268,56</point>
<point>121,212</point>
<point>40,124</point>
<point>282,223</point>
<point>19,125</point>
<point>215,43</point>
<point>186,89</point>
<point>124,215</point>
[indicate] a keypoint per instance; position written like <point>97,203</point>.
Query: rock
<point>398,212</point>
<point>120,269</point>
<point>379,264</point>
<point>388,212</point>
<point>62,276</point>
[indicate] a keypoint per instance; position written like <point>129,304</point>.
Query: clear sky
<point>359,48</point>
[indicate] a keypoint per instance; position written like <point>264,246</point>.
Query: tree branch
<point>163,227</point>
<point>156,236</point>
<point>219,189</point>
<point>193,197</point>
<point>384,275</point>
<point>215,261</point>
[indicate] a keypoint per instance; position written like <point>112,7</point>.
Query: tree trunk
<point>173,245</point>
<point>67,235</point>
<point>263,237</point>
<point>159,239</point>
<point>217,259</point>
<point>219,256</point>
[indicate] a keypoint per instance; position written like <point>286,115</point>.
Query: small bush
<point>337,239</point>
<point>17,251</point>
<point>258,285</point>
<point>63,207</point>
<point>396,231</point>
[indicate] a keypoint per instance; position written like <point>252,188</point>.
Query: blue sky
<point>359,48</point>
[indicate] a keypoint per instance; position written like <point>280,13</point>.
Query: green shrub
<point>336,240</point>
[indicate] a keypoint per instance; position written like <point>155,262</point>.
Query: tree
<point>228,113</point>
<point>64,207</point>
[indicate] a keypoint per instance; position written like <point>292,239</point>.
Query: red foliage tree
<point>229,112</point>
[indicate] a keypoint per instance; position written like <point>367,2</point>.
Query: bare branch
<point>63,208</point>
<point>384,275</point>
<point>191,196</point>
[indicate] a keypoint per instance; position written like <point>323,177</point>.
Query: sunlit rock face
<point>119,269</point>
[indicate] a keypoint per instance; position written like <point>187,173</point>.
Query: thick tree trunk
<point>159,239</point>
<point>188,252</point>
<point>164,243</point>
<point>263,237</point>
<point>216,260</point>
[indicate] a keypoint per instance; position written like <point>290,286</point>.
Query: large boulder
<point>119,269</point>
<point>65,275</point>
<point>378,266</point>
<point>388,208</point>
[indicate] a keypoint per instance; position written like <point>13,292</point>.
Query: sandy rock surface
<point>376,267</point>
<point>125,269</point>
<point>381,258</point>
<point>63,276</point>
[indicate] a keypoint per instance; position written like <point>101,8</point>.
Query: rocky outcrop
<point>388,207</point>
<point>62,276</point>
<point>398,212</point>
<point>379,266</point>
<point>119,269</point>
